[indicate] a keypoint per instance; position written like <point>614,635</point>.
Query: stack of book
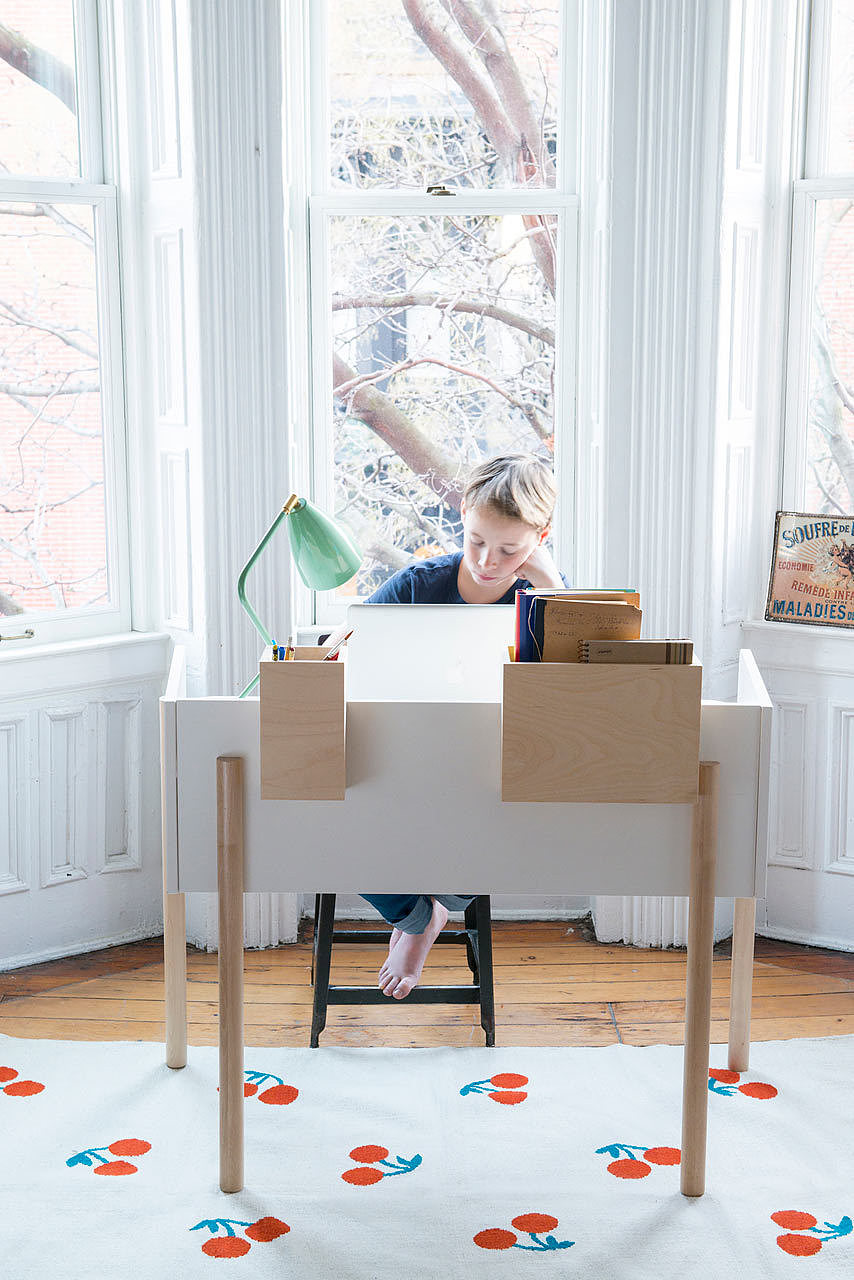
<point>557,625</point>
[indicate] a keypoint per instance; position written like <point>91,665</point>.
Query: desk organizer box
<point>569,731</point>
<point>600,733</point>
<point>303,727</point>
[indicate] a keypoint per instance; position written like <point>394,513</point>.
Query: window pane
<point>830,437</point>
<point>443,338</point>
<point>53,552</point>
<point>38,120</point>
<point>840,114</point>
<point>462,92</point>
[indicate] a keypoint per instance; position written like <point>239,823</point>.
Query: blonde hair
<point>518,485</point>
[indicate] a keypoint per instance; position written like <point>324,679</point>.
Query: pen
<point>333,653</point>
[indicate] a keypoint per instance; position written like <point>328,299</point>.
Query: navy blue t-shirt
<point>432,581</point>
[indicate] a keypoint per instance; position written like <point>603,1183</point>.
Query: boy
<point>507,513</point>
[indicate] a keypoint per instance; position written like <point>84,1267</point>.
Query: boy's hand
<point>540,569</point>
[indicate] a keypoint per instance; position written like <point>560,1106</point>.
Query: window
<point>63,561</point>
<point>442,237</point>
<point>819,459</point>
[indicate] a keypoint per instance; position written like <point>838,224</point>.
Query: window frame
<point>93,189</point>
<point>312,448</point>
<point>815,185</point>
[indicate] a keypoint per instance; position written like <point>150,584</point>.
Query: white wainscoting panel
<point>840,801</point>
<point>80,797</point>
<point>119,783</point>
<point>14,809</point>
<point>63,808</point>
<point>810,885</point>
<point>793,783</point>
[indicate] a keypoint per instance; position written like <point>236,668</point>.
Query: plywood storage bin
<point>600,732</point>
<point>302,727</point>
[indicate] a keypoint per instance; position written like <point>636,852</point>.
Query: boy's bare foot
<point>395,934</point>
<point>406,959</point>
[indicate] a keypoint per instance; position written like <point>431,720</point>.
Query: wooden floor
<point>554,985</point>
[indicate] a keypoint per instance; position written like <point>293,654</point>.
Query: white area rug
<point>364,1163</point>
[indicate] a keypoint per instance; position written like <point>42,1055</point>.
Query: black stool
<point>477,937</point>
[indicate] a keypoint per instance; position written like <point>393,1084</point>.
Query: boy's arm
<point>540,569</point>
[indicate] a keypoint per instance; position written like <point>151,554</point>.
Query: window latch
<point>21,635</point>
<point>438,189</point>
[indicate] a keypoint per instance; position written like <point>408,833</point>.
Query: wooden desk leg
<point>698,995</point>
<point>229,834</point>
<point>175,978</point>
<point>741,983</point>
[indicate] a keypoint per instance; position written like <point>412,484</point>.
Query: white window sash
<point>807,195</point>
<point>50,626</point>
<point>327,610</point>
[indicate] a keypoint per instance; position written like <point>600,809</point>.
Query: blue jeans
<point>411,912</point>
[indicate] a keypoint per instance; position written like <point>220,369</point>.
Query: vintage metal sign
<point>812,572</point>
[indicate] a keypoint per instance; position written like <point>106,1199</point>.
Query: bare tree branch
<point>377,411</point>
<point>400,301</point>
<point>64,335</point>
<point>39,65</point>
<point>454,57</point>
<point>365,379</point>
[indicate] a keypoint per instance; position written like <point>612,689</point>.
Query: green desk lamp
<point>323,552</point>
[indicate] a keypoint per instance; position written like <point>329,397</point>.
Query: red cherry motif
<point>508,1080</point>
<point>532,1225</point>
<point>7,1073</point>
<point>531,1222</point>
<point>226,1247</point>
<point>267,1229</point>
<point>129,1147</point>
<point>23,1088</point>
<point>279,1095</point>
<point>663,1155</point>
<point>799,1246</point>
<point>629,1168</point>
<point>794,1219</point>
<point>115,1168</point>
<point>508,1098</point>
<point>368,1154</point>
<point>362,1177</point>
<point>758,1090</point>
<point>495,1238</point>
<point>755,1089</point>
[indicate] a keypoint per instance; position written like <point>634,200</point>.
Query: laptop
<point>428,652</point>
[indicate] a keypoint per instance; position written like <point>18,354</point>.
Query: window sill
<point>798,645</point>
<point>136,655</point>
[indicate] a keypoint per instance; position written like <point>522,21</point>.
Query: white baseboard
<point>63,951</point>
<point>805,939</point>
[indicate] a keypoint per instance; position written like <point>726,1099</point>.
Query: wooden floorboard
<point>554,985</point>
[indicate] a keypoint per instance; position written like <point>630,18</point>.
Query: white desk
<point>429,774</point>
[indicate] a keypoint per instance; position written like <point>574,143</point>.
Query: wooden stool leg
<point>741,983</point>
<point>314,936</point>
<point>484,951</point>
<point>471,933</point>
<point>323,958</point>
<point>175,978</point>
<point>698,1002</point>
<point>229,804</point>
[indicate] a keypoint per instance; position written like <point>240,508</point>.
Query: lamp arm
<point>241,581</point>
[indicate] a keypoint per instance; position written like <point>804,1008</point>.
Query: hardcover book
<point>651,652</point>
<point>529,646</point>
<point>560,625</point>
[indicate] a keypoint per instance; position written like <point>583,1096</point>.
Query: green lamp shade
<point>323,553</point>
